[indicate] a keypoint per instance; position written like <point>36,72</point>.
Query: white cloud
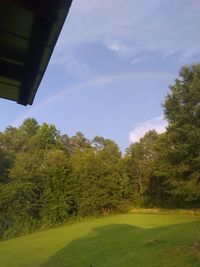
<point>115,46</point>
<point>120,49</point>
<point>137,60</point>
<point>158,124</point>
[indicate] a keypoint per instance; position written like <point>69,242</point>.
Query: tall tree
<point>79,142</point>
<point>182,110</point>
<point>46,137</point>
<point>140,158</point>
<point>55,199</point>
<point>30,126</point>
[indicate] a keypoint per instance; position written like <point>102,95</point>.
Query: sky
<point>112,67</point>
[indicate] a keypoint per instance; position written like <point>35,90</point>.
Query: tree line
<point>47,178</point>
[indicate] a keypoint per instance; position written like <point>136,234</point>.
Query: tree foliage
<point>46,178</point>
<point>182,110</point>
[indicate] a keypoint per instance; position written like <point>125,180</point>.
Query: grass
<point>130,240</point>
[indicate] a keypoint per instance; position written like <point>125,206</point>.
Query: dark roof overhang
<point>28,33</point>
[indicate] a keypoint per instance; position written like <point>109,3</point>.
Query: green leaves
<point>48,177</point>
<point>182,109</point>
<point>182,104</point>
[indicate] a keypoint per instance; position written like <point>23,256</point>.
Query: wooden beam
<point>45,8</point>
<point>11,71</point>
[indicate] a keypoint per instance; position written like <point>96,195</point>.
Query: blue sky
<point>112,67</point>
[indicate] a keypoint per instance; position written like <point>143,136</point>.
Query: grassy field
<point>135,240</point>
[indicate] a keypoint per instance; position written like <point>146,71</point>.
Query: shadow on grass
<point>121,245</point>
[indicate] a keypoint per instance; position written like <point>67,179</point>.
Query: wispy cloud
<point>122,50</point>
<point>158,124</point>
<point>134,26</point>
<point>153,34</point>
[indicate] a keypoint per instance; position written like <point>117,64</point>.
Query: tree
<point>6,161</point>
<point>30,126</point>
<point>55,198</point>
<point>64,143</point>
<point>158,186</point>
<point>13,140</point>
<point>79,142</point>
<point>96,177</point>
<point>140,158</point>
<point>20,197</point>
<point>46,137</point>
<point>182,110</point>
<point>107,148</point>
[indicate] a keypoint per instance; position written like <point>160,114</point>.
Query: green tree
<point>140,158</point>
<point>97,180</point>
<point>13,140</point>
<point>46,137</point>
<point>55,199</point>
<point>79,142</point>
<point>21,197</point>
<point>30,126</point>
<point>6,161</point>
<point>182,110</point>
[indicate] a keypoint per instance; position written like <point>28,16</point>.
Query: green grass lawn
<point>136,240</point>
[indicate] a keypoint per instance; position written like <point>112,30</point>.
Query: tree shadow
<point>120,245</point>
